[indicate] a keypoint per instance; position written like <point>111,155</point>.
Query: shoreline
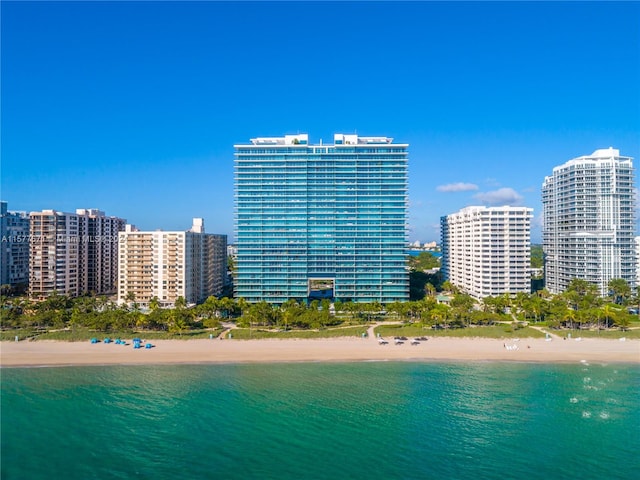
<point>344,349</point>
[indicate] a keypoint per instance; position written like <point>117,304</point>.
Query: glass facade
<point>321,221</point>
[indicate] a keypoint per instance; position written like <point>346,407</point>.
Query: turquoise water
<point>322,421</point>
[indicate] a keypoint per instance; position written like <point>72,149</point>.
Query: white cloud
<point>457,187</point>
<point>502,196</point>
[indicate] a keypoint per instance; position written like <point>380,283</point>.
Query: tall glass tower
<point>321,221</point>
<point>589,221</point>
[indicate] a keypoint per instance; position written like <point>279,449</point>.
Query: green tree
<point>582,295</point>
<point>210,308</point>
<point>608,314</point>
<point>440,314</point>
<point>177,322</point>
<point>570,316</point>
<point>619,290</point>
<point>449,287</point>
<point>291,310</point>
<point>154,304</point>
<point>430,289</point>
<point>461,306</point>
<point>537,256</point>
<point>535,306</point>
<point>180,302</point>
<point>423,261</point>
<point>399,309</point>
<point>623,320</point>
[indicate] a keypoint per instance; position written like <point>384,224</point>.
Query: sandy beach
<point>53,353</point>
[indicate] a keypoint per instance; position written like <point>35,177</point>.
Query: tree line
<point>579,306</point>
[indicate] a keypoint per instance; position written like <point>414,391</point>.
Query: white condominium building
<point>637,241</point>
<point>168,265</point>
<point>486,251</point>
<point>589,221</point>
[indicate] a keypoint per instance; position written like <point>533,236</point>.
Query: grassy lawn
<point>22,334</point>
<point>84,335</point>
<point>614,333</point>
<point>246,334</point>
<point>495,331</point>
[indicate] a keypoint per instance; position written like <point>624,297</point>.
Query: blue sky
<point>133,108</point>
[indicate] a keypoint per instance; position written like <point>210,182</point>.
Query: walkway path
<point>371,333</point>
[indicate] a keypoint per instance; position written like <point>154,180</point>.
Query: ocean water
<point>372,420</point>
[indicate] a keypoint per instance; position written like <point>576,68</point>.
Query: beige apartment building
<point>168,265</point>
<point>73,253</point>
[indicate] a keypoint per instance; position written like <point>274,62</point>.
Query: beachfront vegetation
<point>505,330</point>
<point>247,334</point>
<point>579,309</point>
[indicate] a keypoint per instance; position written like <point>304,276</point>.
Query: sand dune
<point>53,353</point>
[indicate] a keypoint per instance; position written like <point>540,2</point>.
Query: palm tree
<point>180,302</point>
<point>290,310</point>
<point>177,323</point>
<point>520,301</point>
<point>536,306</point>
<point>130,297</point>
<point>430,289</point>
<point>449,287</point>
<point>154,304</point>
<point>143,320</point>
<point>440,313</point>
<point>619,290</point>
<point>623,321</point>
<point>210,307</point>
<point>608,314</point>
<point>570,315</point>
<point>228,306</point>
<point>395,308</point>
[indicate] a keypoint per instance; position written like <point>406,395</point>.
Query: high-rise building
<point>637,241</point>
<point>321,221</point>
<point>100,251</point>
<point>169,265</point>
<point>73,253</point>
<point>589,221</point>
<point>14,247</point>
<point>486,251</point>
